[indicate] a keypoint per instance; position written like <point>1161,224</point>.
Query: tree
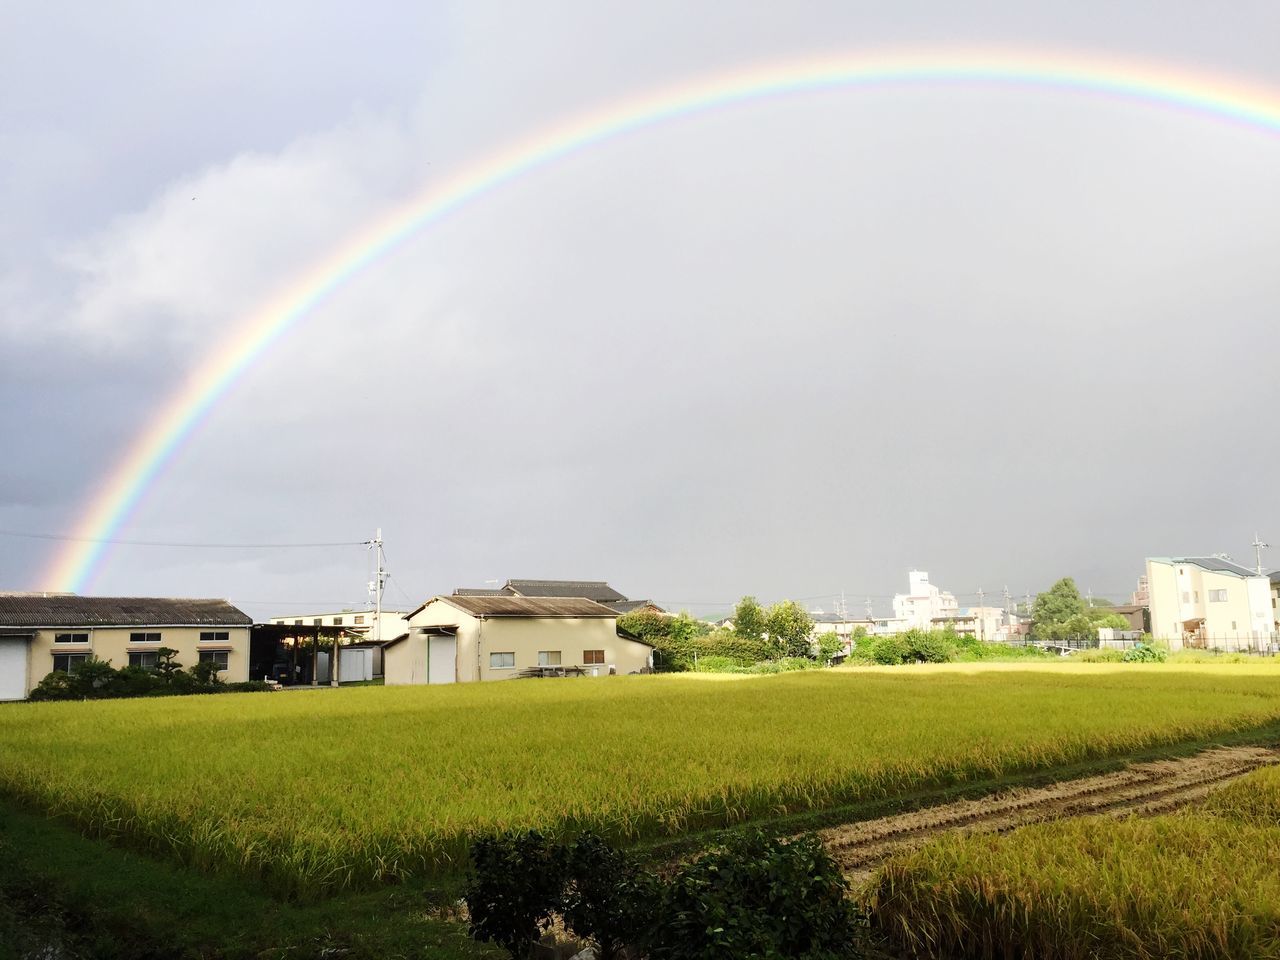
<point>790,629</point>
<point>749,619</point>
<point>1057,605</point>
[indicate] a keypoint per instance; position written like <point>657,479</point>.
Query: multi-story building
<point>1209,602</point>
<point>923,603</point>
<point>44,633</point>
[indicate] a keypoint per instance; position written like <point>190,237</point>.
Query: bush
<point>717,665</point>
<point>517,882</point>
<point>1142,653</point>
<point>607,898</point>
<point>890,650</point>
<point>934,646</point>
<point>725,643</point>
<point>1097,655</point>
<point>756,897</point>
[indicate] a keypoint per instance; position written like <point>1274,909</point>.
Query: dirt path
<point>1144,788</point>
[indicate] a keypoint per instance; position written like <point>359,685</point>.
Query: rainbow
<point>74,566</point>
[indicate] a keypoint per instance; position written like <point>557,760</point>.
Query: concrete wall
<point>525,637</point>
<point>1181,592</point>
<point>113,644</point>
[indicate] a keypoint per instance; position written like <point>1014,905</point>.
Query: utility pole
<point>982,617</point>
<point>1258,546</point>
<point>1008,601</point>
<point>375,587</point>
<point>869,608</point>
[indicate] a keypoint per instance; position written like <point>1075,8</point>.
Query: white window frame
<point>70,638</point>
<point>501,665</point>
<point>144,638</point>
<point>140,654</point>
<point>1218,596</point>
<point>215,636</point>
<point>544,658</point>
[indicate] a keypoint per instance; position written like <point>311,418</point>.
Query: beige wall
<point>1179,592</point>
<point>113,644</point>
<point>525,637</point>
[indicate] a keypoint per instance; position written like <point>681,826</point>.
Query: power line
<point>164,543</point>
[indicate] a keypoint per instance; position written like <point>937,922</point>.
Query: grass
<point>355,788</point>
<point>1203,883</point>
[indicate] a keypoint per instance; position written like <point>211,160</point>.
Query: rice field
<point>1201,883</point>
<point>316,791</point>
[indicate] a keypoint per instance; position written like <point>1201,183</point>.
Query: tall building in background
<point>923,603</point>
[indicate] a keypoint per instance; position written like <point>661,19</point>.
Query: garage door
<point>13,668</point>
<point>442,659</point>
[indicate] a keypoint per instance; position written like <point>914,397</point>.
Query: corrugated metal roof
<point>530,607</point>
<point>596,590</point>
<point>481,592</point>
<point>72,611</point>
<point>1218,565</point>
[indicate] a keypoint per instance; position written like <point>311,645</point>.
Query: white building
<point>923,604</point>
<point>1209,602</point>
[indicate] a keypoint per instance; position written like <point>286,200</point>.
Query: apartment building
<point>1209,602</point>
<point>923,603</point>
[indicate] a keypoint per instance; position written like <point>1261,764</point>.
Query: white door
<point>442,659</point>
<point>13,668</point>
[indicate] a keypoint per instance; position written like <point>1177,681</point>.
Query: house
<point>41,633</point>
<point>359,624</point>
<point>463,638</point>
<point>923,603</point>
<point>842,626</point>
<point>597,590</point>
<point>1209,602</point>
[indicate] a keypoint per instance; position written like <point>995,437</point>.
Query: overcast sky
<point>789,348</point>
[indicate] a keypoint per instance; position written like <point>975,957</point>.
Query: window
<point>1186,597</point>
<point>337,621</point>
<point>593,656</point>
<point>147,661</point>
<point>502,661</point>
<point>70,638</point>
<point>1233,624</point>
<point>318,622</point>
<point>214,656</point>
<point>548,658</point>
<point>297,623</point>
<point>214,636</point>
<point>1217,596</point>
<point>1197,596</point>
<point>359,619</point>
<point>63,662</point>
<point>144,638</point>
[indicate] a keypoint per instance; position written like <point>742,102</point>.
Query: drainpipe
<point>479,639</point>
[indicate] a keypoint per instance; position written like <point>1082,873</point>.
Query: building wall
<point>113,644</point>
<point>358,622</point>
<point>524,637</point>
<point>1180,593</point>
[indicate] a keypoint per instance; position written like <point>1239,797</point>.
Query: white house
<point>1209,602</point>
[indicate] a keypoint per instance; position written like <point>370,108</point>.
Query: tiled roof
<point>596,590</point>
<point>530,607</point>
<point>72,611</point>
<point>628,606</point>
<point>482,592</point>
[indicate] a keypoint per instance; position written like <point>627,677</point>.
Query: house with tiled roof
<point>464,638</point>
<point>597,590</point>
<point>41,633</point>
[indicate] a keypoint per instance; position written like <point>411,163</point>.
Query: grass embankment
<point>354,788</point>
<point>1202,883</point>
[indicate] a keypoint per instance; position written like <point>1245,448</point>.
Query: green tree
<point>790,629</point>
<point>829,645</point>
<point>1059,604</point>
<point>749,619</point>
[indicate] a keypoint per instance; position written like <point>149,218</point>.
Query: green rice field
<point>1202,883</point>
<point>315,791</point>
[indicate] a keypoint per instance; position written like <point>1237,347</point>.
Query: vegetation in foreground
<point>1201,883</point>
<point>371,786</point>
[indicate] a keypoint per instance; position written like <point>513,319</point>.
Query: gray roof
<point>627,606</point>
<point>530,607</point>
<point>73,611</point>
<point>596,590</point>
<point>482,592</point>
<point>1218,565</point>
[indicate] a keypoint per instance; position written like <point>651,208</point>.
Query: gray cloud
<point>791,347</point>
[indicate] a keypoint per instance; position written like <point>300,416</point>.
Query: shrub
<point>607,898</point>
<point>517,882</point>
<point>717,665</point>
<point>1142,653</point>
<point>934,646</point>
<point>756,897</point>
<point>890,650</point>
<point>725,643</point>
